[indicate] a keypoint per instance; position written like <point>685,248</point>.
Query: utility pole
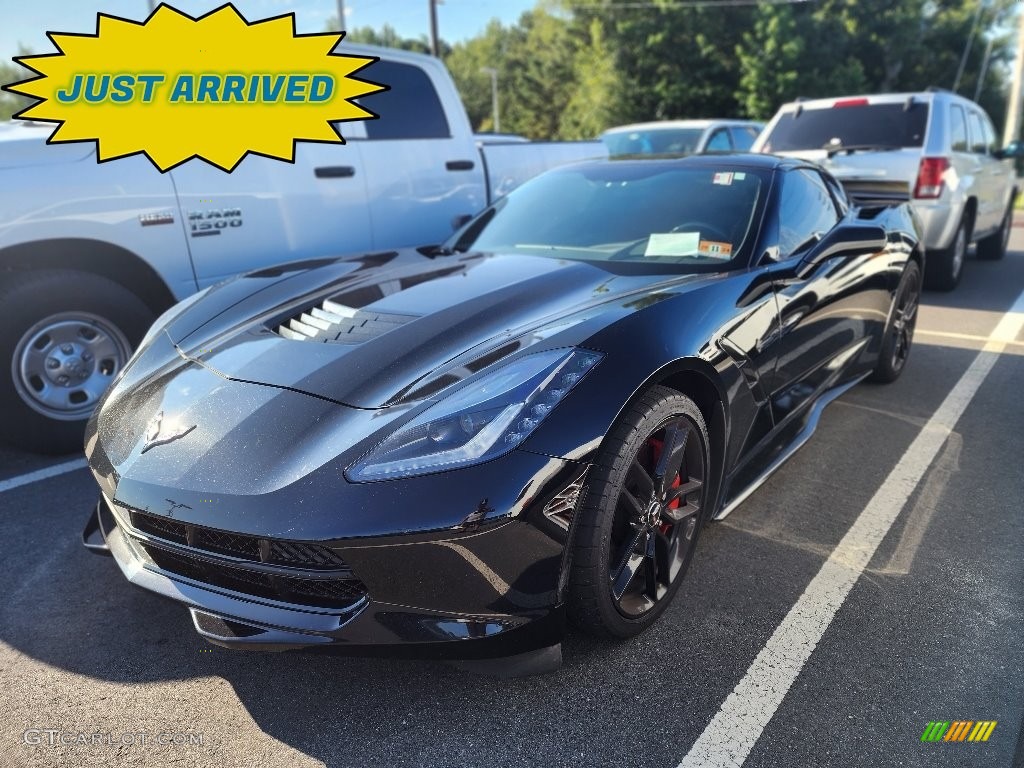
<point>1013,108</point>
<point>494,96</point>
<point>435,44</point>
<point>967,47</point>
<point>984,69</point>
<point>341,15</point>
<point>152,5</point>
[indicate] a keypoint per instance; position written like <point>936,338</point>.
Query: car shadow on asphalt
<point>72,611</point>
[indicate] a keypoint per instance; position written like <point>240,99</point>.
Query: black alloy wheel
<point>899,335</point>
<point>642,517</point>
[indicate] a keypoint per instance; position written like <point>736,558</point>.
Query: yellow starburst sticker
<point>216,87</point>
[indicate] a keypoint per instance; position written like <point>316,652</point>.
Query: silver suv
<point>941,145</point>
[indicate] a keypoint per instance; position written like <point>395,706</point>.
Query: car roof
<point>720,161</point>
<point>923,97</point>
<point>669,124</point>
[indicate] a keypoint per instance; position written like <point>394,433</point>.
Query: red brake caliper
<point>656,448</point>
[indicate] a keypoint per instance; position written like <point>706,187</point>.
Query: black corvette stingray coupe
<point>449,451</point>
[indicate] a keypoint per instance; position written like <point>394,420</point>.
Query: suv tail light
<point>929,177</point>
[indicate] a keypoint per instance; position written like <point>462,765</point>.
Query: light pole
<point>341,15</point>
<point>494,96</point>
<point>435,42</point>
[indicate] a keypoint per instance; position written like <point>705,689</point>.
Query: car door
<point>423,170</point>
<point>1002,173</point>
<point>829,314</point>
<point>269,211</point>
<point>987,176</point>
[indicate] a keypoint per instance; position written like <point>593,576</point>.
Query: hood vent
<point>334,323</point>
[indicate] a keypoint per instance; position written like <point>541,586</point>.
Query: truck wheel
<point>66,336</point>
<point>993,247</point>
<point>944,268</point>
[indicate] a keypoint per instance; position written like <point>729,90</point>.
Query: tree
<point>769,58</point>
<point>596,102</point>
<point>10,72</point>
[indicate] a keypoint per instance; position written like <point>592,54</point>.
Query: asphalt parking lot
<point>932,629</point>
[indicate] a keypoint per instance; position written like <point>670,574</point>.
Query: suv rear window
<point>875,125</point>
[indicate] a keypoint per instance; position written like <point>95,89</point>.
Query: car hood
<point>24,145</point>
<point>400,327</point>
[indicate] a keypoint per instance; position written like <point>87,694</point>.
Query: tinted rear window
<point>883,125</point>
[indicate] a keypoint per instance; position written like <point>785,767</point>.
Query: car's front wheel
<point>640,521</point>
<point>993,247</point>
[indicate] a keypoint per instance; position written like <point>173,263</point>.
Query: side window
<point>990,134</point>
<point>806,211</point>
<point>978,144</point>
<point>719,141</point>
<point>411,108</point>
<point>958,129</point>
<point>743,138</point>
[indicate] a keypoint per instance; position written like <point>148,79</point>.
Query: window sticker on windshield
<point>739,176</point>
<point>714,249</point>
<point>723,177</point>
<point>673,244</point>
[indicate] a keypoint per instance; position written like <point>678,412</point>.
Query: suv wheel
<point>67,335</point>
<point>993,247</point>
<point>944,268</point>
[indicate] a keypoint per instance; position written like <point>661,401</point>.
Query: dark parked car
<point>445,452</point>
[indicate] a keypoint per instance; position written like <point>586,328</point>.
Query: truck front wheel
<point>66,335</point>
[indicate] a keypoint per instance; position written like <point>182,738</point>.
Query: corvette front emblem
<point>153,438</point>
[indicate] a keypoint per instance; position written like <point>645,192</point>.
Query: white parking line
<point>42,474</point>
<point>736,727</point>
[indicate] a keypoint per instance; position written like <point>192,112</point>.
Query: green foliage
<point>595,103</point>
<point>571,68</point>
<point>10,103</point>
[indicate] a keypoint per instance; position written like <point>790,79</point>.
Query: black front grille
<point>295,554</point>
<point>342,592</point>
<point>171,530</point>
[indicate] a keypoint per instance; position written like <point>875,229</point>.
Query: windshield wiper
<point>834,149</point>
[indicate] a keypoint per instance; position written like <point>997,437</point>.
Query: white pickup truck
<point>91,253</point>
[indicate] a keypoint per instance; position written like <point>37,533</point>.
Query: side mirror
<point>845,240</point>
<point>1013,149</point>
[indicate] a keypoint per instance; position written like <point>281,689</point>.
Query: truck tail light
<point>929,177</point>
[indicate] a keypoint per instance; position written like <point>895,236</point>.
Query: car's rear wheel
<point>899,335</point>
<point>66,336</point>
<point>993,247</point>
<point>946,267</point>
<point>639,524</point>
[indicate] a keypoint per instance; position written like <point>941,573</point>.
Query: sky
<point>26,23</point>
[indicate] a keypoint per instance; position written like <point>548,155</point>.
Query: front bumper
<point>446,602</point>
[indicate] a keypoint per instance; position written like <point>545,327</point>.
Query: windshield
<point>653,141</point>
<point>649,212</point>
<point>862,125</point>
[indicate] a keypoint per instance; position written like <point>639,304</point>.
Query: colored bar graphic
<point>958,730</point>
<point>934,731</point>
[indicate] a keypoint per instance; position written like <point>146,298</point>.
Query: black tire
<point>109,319</point>
<point>993,247</point>
<point>611,551</point>
<point>899,334</point>
<point>945,268</point>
